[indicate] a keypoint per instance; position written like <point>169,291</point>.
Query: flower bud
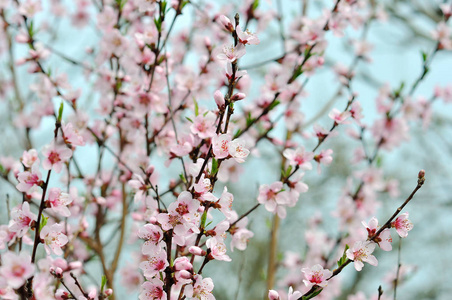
<point>197,251</point>
<point>226,23</point>
<point>238,96</point>
<point>219,99</point>
<point>108,292</point>
<point>273,295</point>
<point>184,274</point>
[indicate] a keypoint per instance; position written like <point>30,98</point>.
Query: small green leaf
<point>164,3</point>
<point>237,134</point>
<point>214,167</point>
<point>273,104</point>
<point>43,223</point>
<point>158,23</point>
<point>189,119</point>
<point>60,112</point>
<point>104,282</point>
<point>314,294</point>
<point>203,219</point>
<point>196,107</point>
<point>343,259</point>
<point>424,56</point>
<point>288,171</point>
<point>255,4</point>
<point>182,177</point>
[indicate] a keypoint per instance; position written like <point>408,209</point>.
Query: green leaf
<point>255,4</point>
<point>43,223</point>
<point>273,105</point>
<point>104,282</point>
<point>196,107</point>
<point>343,259</point>
<point>236,135</point>
<point>424,56</point>
<point>158,23</point>
<point>182,177</point>
<point>203,219</point>
<point>189,119</point>
<point>379,162</point>
<point>214,166</point>
<point>60,112</point>
<point>399,90</point>
<point>288,171</point>
<point>249,119</point>
<point>314,294</point>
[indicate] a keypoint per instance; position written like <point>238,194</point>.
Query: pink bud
<point>421,174</point>
<point>108,292</point>
<point>184,274</point>
<point>207,42</point>
<point>226,23</point>
<point>59,272</point>
<point>273,295</point>
<point>182,263</point>
<point>219,99</point>
<point>238,96</point>
<point>150,170</point>
<point>75,265</point>
<point>197,251</point>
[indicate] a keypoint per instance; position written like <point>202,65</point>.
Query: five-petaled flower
<point>402,225</point>
<point>362,252</point>
<point>55,156</point>
<point>316,275</point>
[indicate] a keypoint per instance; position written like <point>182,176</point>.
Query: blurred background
<point>397,41</point>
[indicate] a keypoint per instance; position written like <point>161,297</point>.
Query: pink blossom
<point>155,263</point>
<point>201,289</point>
<point>402,225</point>
<point>29,8</point>
<point>316,275</point>
<point>140,188</point>
<point>338,116</point>
<point>273,197</point>
<point>225,202</point>
<point>203,125</point>
<point>152,289</point>
<point>232,53</point>
<point>56,156</point>
<point>54,238</point>
<point>72,136</point>
<point>226,22</point>
<point>152,234</point>
<point>299,157</point>
<point>247,37</point>
<point>219,99</point>
<point>356,111</point>
<point>204,189</point>
<point>324,157</point>
<point>240,239</point>
<point>238,151</point>
<point>384,239</point>
<point>217,249</point>
<point>28,180</point>
<point>22,219</point>
<point>16,269</point>
<point>220,145</point>
<point>442,34</point>
<point>273,295</point>
<point>362,252</point>
<point>30,157</point>
<point>59,201</point>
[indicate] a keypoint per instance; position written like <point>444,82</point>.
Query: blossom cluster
<point>138,163</point>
